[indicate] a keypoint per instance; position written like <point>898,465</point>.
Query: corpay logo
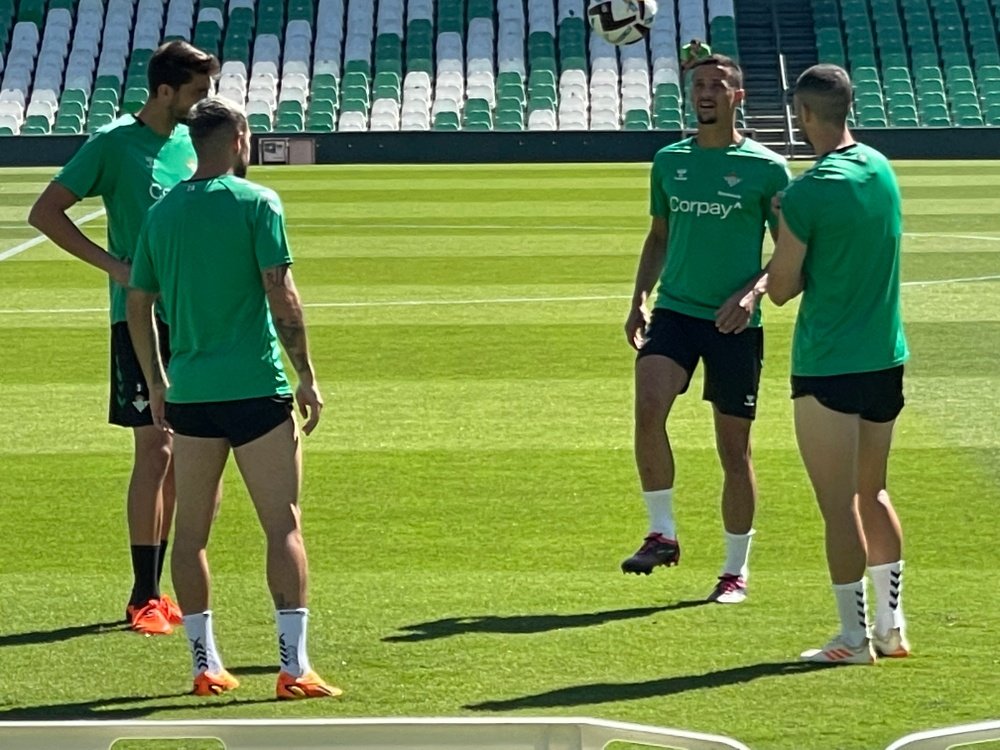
<point>702,208</point>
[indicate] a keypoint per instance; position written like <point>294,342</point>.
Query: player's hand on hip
<point>635,324</point>
<point>635,327</point>
<point>310,403</point>
<point>121,272</point>
<point>735,314</point>
<point>158,408</point>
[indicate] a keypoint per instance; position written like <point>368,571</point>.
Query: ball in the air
<point>621,21</point>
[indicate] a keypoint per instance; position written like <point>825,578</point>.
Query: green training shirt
<point>131,167</point>
<point>203,248</point>
<point>717,202</point>
<point>847,210</point>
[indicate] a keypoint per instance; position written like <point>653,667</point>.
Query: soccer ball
<point>621,21</point>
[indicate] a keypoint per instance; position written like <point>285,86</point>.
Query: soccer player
<point>131,163</point>
<point>692,52</point>
<point>215,249</point>
<point>710,200</point>
<point>838,245</point>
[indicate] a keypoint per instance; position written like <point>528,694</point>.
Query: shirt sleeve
<point>796,209</point>
<point>781,176</point>
<point>87,173</point>
<point>270,238</point>
<point>659,201</point>
<point>143,273</point>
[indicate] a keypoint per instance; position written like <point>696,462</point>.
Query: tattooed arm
<point>289,322</point>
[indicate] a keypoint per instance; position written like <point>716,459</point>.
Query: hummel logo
<point>681,175</point>
<point>140,403</point>
<point>732,180</point>
<point>751,400</point>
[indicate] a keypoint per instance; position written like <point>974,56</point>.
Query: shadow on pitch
<point>124,707</point>
<point>607,692</point>
<point>39,637</point>
<point>523,624</point>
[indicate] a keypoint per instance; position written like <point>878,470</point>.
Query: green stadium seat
<point>354,104</point>
<point>321,122</point>
<point>322,107</point>
<point>446,121</point>
<point>541,102</point>
<point>98,121</point>
<point>637,120</point>
<point>259,123</point>
<point>134,99</point>
<point>330,95</point>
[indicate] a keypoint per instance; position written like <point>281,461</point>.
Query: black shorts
<point>733,361</point>
<point>239,422</point>
<point>129,402</point>
<point>874,396</point>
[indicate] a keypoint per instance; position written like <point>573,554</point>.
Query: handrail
<point>783,80</point>
<point>787,107</point>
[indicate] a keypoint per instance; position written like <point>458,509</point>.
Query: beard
<point>178,114</point>
<point>709,119</point>
<point>241,167</point>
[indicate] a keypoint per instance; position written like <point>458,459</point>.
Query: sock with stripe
<point>852,606</point>
<point>888,582</point>
<point>204,654</point>
<point>292,626</point>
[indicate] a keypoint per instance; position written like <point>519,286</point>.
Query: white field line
<point>18,249</point>
<point>430,303</point>
<point>466,302</point>
<point>542,227</point>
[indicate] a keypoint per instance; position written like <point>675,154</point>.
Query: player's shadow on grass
<point>123,707</point>
<point>522,624</point>
<point>39,637</point>
<point>607,692</point>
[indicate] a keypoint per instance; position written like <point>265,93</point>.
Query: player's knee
<point>284,526</point>
<point>650,410</point>
<point>152,457</point>
<point>736,461</point>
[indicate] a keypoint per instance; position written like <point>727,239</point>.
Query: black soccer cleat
<point>656,550</point>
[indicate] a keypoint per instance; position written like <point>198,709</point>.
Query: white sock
<point>738,554</point>
<point>660,506</point>
<point>852,605</point>
<point>204,655</point>
<point>888,582</point>
<point>292,624</point>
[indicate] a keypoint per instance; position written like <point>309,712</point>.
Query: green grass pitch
<point>470,491</point>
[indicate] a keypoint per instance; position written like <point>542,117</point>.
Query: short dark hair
<point>827,91</point>
<point>722,61</point>
<point>211,118</point>
<point>176,63</point>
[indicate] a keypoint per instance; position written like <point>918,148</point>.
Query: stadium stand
<point>71,66</point>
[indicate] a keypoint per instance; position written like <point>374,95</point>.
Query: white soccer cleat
<point>838,651</point>
<point>892,644</point>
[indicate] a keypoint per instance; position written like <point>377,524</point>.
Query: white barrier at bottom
<point>361,734</point>
<point>966,735</point>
